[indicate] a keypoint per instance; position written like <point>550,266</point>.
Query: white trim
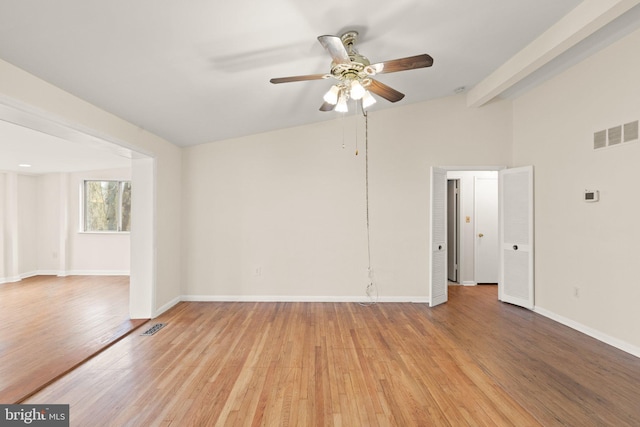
<point>451,174</point>
<point>23,114</point>
<point>299,298</point>
<point>166,307</point>
<point>18,278</point>
<point>48,273</point>
<point>27,275</point>
<point>583,21</point>
<point>97,273</point>
<point>63,274</point>
<point>600,336</point>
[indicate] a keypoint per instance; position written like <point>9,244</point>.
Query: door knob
<point>480,235</point>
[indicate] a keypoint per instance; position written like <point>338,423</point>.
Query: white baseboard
<point>96,273</point>
<point>166,306</point>
<point>48,273</point>
<point>27,275</point>
<point>298,298</point>
<point>469,283</point>
<point>63,274</point>
<point>600,336</point>
<point>18,278</point>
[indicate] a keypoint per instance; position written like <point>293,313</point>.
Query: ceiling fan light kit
<point>354,73</point>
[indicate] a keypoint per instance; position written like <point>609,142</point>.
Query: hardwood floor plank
<point>49,325</point>
<point>473,361</point>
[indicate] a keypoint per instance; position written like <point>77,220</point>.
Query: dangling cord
<point>356,126</point>
<point>343,130</point>
<point>371,287</point>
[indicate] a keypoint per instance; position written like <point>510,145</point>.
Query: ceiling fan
<point>354,73</point>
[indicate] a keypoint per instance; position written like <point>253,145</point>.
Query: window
<point>107,206</point>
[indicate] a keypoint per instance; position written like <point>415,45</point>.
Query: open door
<point>516,236</point>
<point>438,250</point>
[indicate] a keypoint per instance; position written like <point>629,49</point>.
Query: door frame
<point>430,246</point>
<point>142,287</point>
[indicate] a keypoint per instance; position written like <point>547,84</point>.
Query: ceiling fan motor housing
<point>358,69</point>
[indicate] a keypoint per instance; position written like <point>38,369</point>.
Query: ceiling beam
<point>587,18</point>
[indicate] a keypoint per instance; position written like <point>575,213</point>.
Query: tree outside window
<point>107,206</point>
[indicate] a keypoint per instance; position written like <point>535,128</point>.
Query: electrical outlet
<point>576,292</point>
<point>257,271</point>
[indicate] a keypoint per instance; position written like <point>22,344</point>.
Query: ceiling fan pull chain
<point>342,120</point>
<point>356,126</point>
<point>372,288</point>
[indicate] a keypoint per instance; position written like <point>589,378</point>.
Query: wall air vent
<point>600,139</point>
<point>615,136</point>
<point>631,131</point>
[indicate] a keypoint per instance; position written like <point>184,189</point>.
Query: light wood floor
<point>48,325</point>
<point>473,361</point>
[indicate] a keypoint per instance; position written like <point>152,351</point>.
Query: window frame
<point>119,208</point>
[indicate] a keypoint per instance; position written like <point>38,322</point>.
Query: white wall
<point>27,220</point>
<point>591,246</point>
<point>50,260</point>
<point>42,224</point>
<point>4,245</point>
<point>281,215</point>
<point>17,234</point>
<point>95,253</point>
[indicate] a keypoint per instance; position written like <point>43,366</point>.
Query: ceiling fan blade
<point>333,45</point>
<point>402,64</point>
<point>327,107</point>
<point>298,78</point>
<point>388,93</point>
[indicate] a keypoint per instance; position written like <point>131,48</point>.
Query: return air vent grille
<point>600,139</point>
<point>616,135</point>
<point>152,330</point>
<point>631,131</point>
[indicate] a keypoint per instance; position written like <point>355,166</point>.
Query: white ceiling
<point>198,71</point>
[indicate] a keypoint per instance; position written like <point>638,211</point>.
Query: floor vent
<point>152,330</point>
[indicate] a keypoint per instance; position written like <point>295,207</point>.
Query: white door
<point>487,243</point>
<point>438,249</point>
<point>516,233</point>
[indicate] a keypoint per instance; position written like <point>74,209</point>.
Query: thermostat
<point>591,195</point>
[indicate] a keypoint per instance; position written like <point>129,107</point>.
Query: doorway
<point>472,212</point>
<point>515,232</point>
<point>142,238</point>
<point>466,236</point>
